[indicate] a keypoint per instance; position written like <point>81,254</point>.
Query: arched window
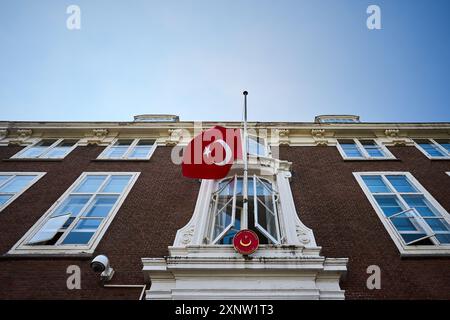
<point>228,216</point>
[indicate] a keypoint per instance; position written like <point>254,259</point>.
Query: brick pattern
<point>327,197</point>
<point>330,201</point>
<point>160,203</point>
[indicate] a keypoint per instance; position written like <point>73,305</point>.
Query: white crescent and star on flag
<point>228,153</point>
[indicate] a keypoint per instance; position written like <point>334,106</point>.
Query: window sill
<point>439,159</point>
<point>371,159</point>
<point>19,256</point>
<point>33,160</point>
<point>120,160</point>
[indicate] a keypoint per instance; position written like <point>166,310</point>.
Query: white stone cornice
<point>22,136</point>
<point>96,137</point>
<point>3,133</point>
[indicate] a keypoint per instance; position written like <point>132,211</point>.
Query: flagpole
<point>244,218</point>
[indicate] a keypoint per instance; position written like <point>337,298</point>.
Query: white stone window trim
<point>103,154</point>
<point>21,248</point>
<point>38,175</point>
<point>411,250</point>
<point>440,148</point>
<point>365,155</point>
<point>292,230</point>
<point>49,148</point>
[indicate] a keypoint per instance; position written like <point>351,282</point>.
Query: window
<point>228,216</point>
<point>414,218</point>
<point>48,149</point>
<point>434,148</point>
<point>367,149</point>
<point>129,149</point>
<point>13,184</point>
<point>77,220</point>
<point>257,146</point>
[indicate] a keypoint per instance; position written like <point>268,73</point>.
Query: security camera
<point>101,264</point>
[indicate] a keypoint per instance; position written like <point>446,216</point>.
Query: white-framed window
<point>357,149</point>
<point>434,148</point>
<point>76,222</point>
<point>417,223</point>
<point>227,214</point>
<point>13,184</point>
<point>129,149</point>
<point>47,149</point>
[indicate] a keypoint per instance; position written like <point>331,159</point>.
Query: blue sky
<point>194,58</point>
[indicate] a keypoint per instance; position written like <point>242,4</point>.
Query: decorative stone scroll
<point>319,137</point>
<point>98,135</point>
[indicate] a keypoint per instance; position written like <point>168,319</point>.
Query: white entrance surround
<point>294,269</point>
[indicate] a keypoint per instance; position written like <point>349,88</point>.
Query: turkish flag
<point>211,154</point>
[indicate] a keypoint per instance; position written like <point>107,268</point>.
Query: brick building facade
<point>341,226</point>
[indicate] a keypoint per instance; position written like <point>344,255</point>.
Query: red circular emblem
<point>246,242</point>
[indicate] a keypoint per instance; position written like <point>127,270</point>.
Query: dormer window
<point>337,119</point>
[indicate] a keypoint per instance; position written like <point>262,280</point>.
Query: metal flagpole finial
<point>245,93</point>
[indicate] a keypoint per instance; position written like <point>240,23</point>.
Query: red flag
<point>211,154</point>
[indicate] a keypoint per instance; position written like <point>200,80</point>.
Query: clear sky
<point>194,58</point>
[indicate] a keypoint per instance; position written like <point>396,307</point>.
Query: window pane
<point>46,142</point>
<point>72,204</point>
<point>88,224</point>
<point>90,184</point>
<point>116,152</point>
<point>401,184</point>
<point>3,179</point>
<point>4,198</point>
<point>123,143</point>
<point>116,184</point>
<point>444,143</point>
<point>408,237</point>
<point>403,224</point>
<point>223,219</point>
<point>350,148</point>
<point>443,238</point>
<point>33,152</point>
<point>240,187</point>
<point>430,148</point>
<point>256,146</point>
<point>375,184</point>
<point>146,143</point>
<point>101,206</point>
<point>420,204</point>
<point>78,237</point>
<point>49,230</point>
<point>373,149</point>
<point>437,224</point>
<point>17,184</point>
<point>58,152</point>
<point>140,152</point>
<point>389,204</point>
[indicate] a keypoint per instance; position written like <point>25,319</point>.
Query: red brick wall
<point>158,205</point>
<point>327,197</point>
<point>330,201</point>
